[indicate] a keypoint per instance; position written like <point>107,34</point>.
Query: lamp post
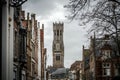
<point>17,3</point>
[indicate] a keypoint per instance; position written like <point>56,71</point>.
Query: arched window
<point>106,54</point>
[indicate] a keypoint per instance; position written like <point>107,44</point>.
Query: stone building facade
<point>57,71</point>
<point>75,72</point>
<point>32,47</point>
<point>43,52</point>
<point>20,48</point>
<point>8,9</point>
<point>30,24</point>
<point>58,45</point>
<point>6,40</point>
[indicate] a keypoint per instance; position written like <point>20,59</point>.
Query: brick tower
<point>58,45</point>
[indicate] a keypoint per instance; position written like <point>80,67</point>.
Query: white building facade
<point>7,41</point>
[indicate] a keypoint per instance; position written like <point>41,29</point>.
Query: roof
<point>60,71</point>
<point>106,47</point>
<point>51,69</point>
<point>75,65</point>
<point>104,44</point>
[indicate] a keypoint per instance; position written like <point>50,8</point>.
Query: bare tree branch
<point>104,13</point>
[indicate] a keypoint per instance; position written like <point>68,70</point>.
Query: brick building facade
<point>31,44</point>
<point>103,60</point>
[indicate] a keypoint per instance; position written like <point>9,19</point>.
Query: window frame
<point>57,57</point>
<point>106,69</point>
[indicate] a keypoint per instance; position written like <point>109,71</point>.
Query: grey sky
<point>49,11</point>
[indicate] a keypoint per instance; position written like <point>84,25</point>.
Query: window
<point>116,69</point>
<point>60,32</point>
<point>106,54</point>
<point>57,57</point>
<point>57,32</point>
<point>15,75</point>
<point>106,69</point>
<point>15,45</point>
<point>33,68</point>
<point>116,72</point>
<point>33,50</point>
<point>23,77</point>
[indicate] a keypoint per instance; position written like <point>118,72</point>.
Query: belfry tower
<point>58,45</point>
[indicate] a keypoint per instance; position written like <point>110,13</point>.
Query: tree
<point>76,6</point>
<point>104,14</point>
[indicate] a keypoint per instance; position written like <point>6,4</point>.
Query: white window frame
<point>106,54</point>
<point>106,69</point>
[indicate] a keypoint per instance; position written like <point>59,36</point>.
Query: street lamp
<point>17,3</point>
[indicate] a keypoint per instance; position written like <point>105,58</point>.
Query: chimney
<point>33,16</point>
<point>28,16</point>
<point>43,26</point>
<point>39,25</point>
<point>23,15</point>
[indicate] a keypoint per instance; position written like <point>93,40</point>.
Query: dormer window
<point>106,51</point>
<point>106,54</point>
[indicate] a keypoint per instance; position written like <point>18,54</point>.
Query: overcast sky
<point>49,11</point>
